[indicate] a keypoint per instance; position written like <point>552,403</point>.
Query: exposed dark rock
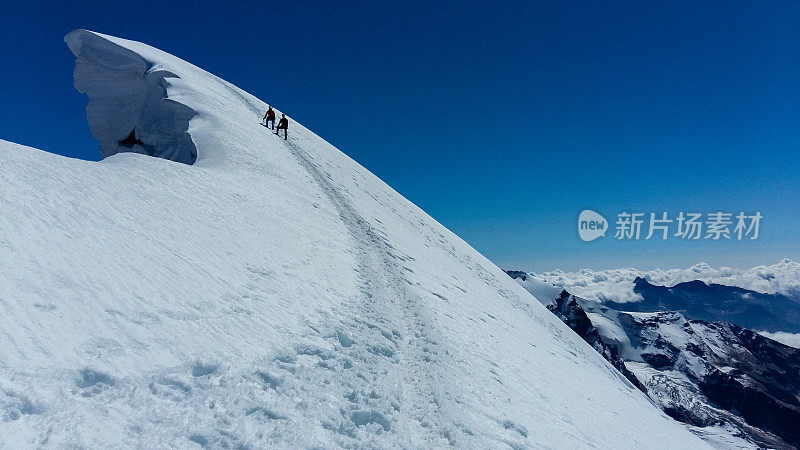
<point>570,312</point>
<point>716,302</point>
<point>702,373</point>
<point>517,274</point>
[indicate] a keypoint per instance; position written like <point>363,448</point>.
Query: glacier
<point>207,284</point>
<point>730,385</point>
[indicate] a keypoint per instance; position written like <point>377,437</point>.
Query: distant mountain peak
<point>699,372</point>
<point>694,284</point>
<point>697,299</point>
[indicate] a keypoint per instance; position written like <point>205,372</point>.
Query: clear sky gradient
<point>501,120</point>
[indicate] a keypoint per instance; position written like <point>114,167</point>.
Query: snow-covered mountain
<point>706,374</point>
<point>239,290</point>
<point>762,298</point>
<point>716,302</point>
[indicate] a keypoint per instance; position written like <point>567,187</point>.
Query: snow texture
<point>272,294</point>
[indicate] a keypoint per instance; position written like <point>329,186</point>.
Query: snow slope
<point>274,293</point>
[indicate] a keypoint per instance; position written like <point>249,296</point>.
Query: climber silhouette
<point>283,124</point>
<point>269,117</point>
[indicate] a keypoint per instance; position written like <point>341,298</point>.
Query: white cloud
<point>790,339</point>
<point>617,284</point>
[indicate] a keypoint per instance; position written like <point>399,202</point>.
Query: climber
<point>269,117</point>
<point>283,124</point>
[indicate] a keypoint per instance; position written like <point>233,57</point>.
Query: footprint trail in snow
<point>385,369</point>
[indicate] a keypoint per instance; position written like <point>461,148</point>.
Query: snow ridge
<point>398,360</point>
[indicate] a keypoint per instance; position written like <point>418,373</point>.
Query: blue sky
<point>501,120</point>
